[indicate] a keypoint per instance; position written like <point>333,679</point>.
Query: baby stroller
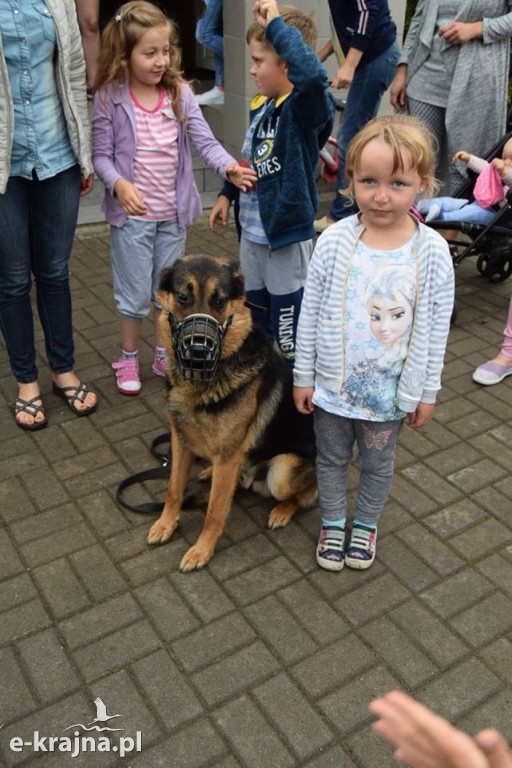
<point>491,243</point>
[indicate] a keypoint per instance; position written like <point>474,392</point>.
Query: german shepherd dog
<point>229,402</point>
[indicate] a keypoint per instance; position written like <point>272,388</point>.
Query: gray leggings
<point>376,442</point>
<point>434,118</point>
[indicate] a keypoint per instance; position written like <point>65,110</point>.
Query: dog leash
<point>156,473</point>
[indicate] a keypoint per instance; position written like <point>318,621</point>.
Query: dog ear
<point>166,279</point>
<point>238,279</point>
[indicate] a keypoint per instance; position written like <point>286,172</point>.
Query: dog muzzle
<point>197,343</point>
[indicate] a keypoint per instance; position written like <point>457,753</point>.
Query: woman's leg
<point>53,218</point>
<point>209,31</point>
<point>434,118</point>
<point>364,97</point>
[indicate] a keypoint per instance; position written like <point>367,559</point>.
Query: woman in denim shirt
<point>45,165</point>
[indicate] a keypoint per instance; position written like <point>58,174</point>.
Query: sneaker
<point>331,548</point>
<point>491,373</point>
<point>127,376</point>
<point>159,366</point>
<point>433,212</point>
<point>211,98</point>
<point>360,552</point>
<point>320,225</point>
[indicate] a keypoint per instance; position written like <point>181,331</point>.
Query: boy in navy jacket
<point>291,119</point>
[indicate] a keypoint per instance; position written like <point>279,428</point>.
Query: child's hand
<point>219,213</point>
<point>243,177</point>
<point>130,198</point>
<point>303,399</point>
<point>500,166</point>
<point>265,11</point>
<point>461,155</point>
<point>421,415</point>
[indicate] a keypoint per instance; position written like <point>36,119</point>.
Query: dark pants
<point>37,225</point>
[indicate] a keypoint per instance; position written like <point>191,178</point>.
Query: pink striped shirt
<point>156,158</point>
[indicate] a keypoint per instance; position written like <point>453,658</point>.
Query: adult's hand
<point>398,89</point>
<point>459,32</point>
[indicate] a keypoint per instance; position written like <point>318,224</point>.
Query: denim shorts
<point>140,250</point>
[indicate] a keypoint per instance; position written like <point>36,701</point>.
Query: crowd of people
<point>351,314</point>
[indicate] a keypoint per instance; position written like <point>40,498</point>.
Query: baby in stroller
<point>474,211</point>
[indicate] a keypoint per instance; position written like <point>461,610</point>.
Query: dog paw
<point>281,514</point>
<point>206,473</point>
<point>160,533</point>
<point>195,558</point>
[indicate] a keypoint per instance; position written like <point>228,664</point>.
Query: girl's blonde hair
<point>120,37</point>
<point>401,132</point>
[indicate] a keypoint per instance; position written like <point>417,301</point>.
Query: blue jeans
<point>209,32</point>
<point>363,101</point>
<point>457,209</point>
<point>37,225</point>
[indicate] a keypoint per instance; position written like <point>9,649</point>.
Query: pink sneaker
<point>159,366</point>
<point>127,376</point>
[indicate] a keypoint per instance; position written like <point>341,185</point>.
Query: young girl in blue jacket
<point>144,116</point>
<point>372,330</point>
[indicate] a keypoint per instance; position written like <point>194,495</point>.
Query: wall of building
<point>231,122</point>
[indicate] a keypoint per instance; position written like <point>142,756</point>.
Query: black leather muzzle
<point>197,342</point>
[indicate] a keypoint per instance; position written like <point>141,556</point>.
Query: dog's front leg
<point>224,481</point>
<point>182,460</point>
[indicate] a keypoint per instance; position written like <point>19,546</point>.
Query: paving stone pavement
<point>261,660</point>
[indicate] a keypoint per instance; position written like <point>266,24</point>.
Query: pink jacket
<point>115,139</point>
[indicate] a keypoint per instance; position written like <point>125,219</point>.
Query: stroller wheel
<point>500,271</point>
<point>482,263</point>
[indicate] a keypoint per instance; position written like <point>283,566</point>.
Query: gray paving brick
<point>14,501</point>
<point>411,498</point>
<point>23,465</point>
<point>297,540</point>
<point>398,652</point>
<point>169,613</point>
<point>405,564</point>
<point>212,641</point>
<point>498,657</point>
<point>61,589</point>
<point>235,673</point>
<point>452,459</point>
<point>47,665</point>
<point>330,667</point>
<point>50,522</point>
<point>97,572</point>
<point>167,690</point>
<point>103,514</point>
<point>499,570</point>
<point>472,478</point>
<point>457,593</point>
<point>474,424</point>
<point>193,747</point>
<point>10,563</point>
<point>15,696</point>
<point>116,650</point>
<point>488,619</point>
<point>202,593</point>
<point>99,620</point>
<point>57,544</point>
<point>450,694</point>
<point>15,591</point>
<point>495,713</point>
<point>104,477</point>
<point>125,699</point>
<point>239,558</point>
<point>293,716</point>
<point>454,518</point>
<point>494,502</point>
<point>347,708</point>
<point>258,745</point>
<point>332,758</point>
<point>372,599</point>
<point>482,539</point>
<point>85,462</point>
<point>427,546</point>
<point>438,642</point>
<point>262,580</point>
<point>22,620</point>
<point>493,448</point>
<point>369,750</point>
<point>280,629</point>
<point>46,489</point>
<point>423,477</point>
<point>417,442</point>
<point>314,613</point>
<point>154,561</point>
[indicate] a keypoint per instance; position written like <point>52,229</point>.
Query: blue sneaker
<point>360,552</point>
<point>330,551</point>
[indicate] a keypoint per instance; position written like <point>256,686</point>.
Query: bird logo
<point>101,717</point>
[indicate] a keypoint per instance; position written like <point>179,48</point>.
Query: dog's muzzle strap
<point>197,342</point>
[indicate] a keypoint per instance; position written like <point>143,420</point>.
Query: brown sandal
<point>73,393</point>
<point>31,409</point>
